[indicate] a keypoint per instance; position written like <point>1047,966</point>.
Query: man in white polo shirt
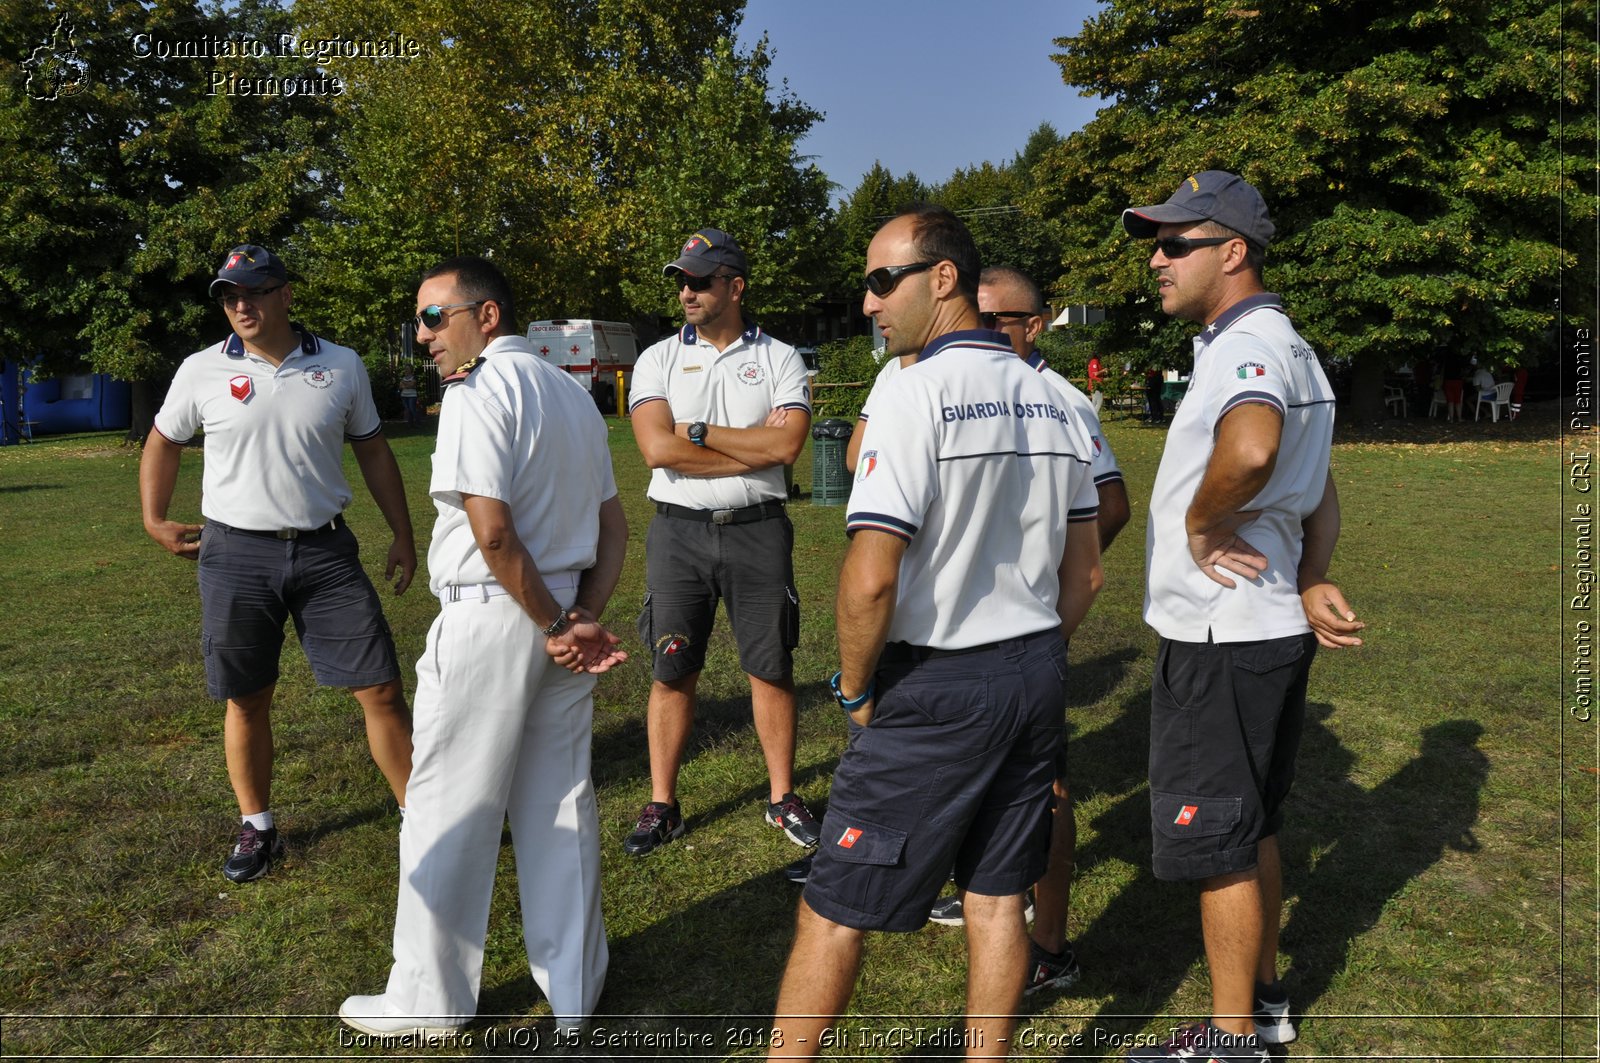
<point>1242,519</point>
<point>526,551</point>
<point>718,409</point>
<point>1010,303</point>
<point>973,553</point>
<point>277,404</point>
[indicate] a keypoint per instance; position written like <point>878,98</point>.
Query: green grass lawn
<point>1440,851</point>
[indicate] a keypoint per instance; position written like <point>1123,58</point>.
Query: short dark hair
<point>938,234</point>
<point>1011,275</point>
<point>480,280</point>
<point>1255,256</point>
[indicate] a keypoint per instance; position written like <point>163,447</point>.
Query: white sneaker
<point>366,1014</point>
<point>1273,1025</point>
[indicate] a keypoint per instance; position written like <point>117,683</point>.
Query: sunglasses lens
<point>1173,246</point>
<point>880,282</point>
<point>432,317</point>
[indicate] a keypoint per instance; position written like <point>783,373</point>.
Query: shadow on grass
<point>17,489</point>
<point>1147,939</point>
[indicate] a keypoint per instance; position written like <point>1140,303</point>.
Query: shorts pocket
<point>1180,816</point>
<point>647,631</point>
<point>791,618</point>
<point>1269,656</point>
<point>857,841</point>
<point>1181,674</point>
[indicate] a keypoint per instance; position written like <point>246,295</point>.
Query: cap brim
<point>1145,221</point>
<point>682,266</point>
<point>213,289</point>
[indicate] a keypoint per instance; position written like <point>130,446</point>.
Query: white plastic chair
<point>1437,403</point>
<point>1395,399</point>
<point>1502,397</point>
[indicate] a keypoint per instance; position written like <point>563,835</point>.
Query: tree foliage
<point>1411,152</point>
<point>575,151</point>
<point>124,177</point>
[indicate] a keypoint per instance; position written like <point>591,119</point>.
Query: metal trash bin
<point>830,480</point>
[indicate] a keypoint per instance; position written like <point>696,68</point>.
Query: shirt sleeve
<point>1250,369</point>
<point>363,421</point>
<point>179,417</point>
<point>791,387</point>
<point>649,376</point>
<point>473,451</point>
<point>897,472</point>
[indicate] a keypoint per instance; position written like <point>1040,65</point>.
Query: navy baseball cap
<point>705,251</point>
<point>1211,195</point>
<point>250,266</point>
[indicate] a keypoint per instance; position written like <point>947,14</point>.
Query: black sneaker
<point>253,853</point>
<point>800,870</point>
<point>1273,1024</point>
<point>1203,1041</point>
<point>658,824</point>
<point>793,817</point>
<point>946,911</point>
<point>1051,970</point>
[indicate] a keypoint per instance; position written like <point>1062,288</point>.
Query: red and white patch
<point>752,373</point>
<point>240,388</point>
<point>667,645</point>
<point>848,839</point>
<point>868,462</point>
<point>1186,815</point>
<point>233,260</point>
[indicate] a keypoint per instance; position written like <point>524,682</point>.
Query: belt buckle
<point>722,516</point>
<point>287,533</point>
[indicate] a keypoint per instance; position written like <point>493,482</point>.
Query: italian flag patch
<point>1251,369</point>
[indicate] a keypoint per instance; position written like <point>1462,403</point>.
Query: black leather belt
<point>746,515</point>
<point>906,653</point>
<point>292,533</point>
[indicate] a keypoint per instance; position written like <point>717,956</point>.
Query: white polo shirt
<point>736,388</point>
<point>891,366</point>
<point>275,435</point>
<point>974,460</point>
<point>525,433</point>
<point>1251,354</point>
<point>1104,464</point>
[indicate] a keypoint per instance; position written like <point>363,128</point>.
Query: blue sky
<point>924,86</point>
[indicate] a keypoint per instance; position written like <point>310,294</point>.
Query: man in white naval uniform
<point>525,554</point>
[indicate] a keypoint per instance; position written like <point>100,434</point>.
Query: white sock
<point>259,820</point>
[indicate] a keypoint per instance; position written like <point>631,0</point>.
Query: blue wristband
<point>849,704</point>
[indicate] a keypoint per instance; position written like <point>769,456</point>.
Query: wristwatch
<point>558,625</point>
<point>849,704</point>
<point>697,433</point>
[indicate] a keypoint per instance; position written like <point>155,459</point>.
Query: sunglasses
<point>433,316</point>
<point>253,296</point>
<point>1180,246</point>
<point>885,279</point>
<point>991,318</point>
<point>701,284</point>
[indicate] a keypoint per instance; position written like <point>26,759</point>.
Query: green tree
<point>879,196</point>
<point>125,175</point>
<point>997,204</point>
<point>574,151</point>
<point>729,160</point>
<point>1411,152</point>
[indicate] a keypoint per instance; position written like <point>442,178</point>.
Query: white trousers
<point>499,730</point>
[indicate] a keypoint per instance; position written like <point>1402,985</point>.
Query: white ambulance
<point>588,349</point>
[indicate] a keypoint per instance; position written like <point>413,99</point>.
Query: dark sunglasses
<point>883,280</point>
<point>229,296</point>
<point>433,316</point>
<point>1180,246</point>
<point>991,318</point>
<point>700,284</point>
